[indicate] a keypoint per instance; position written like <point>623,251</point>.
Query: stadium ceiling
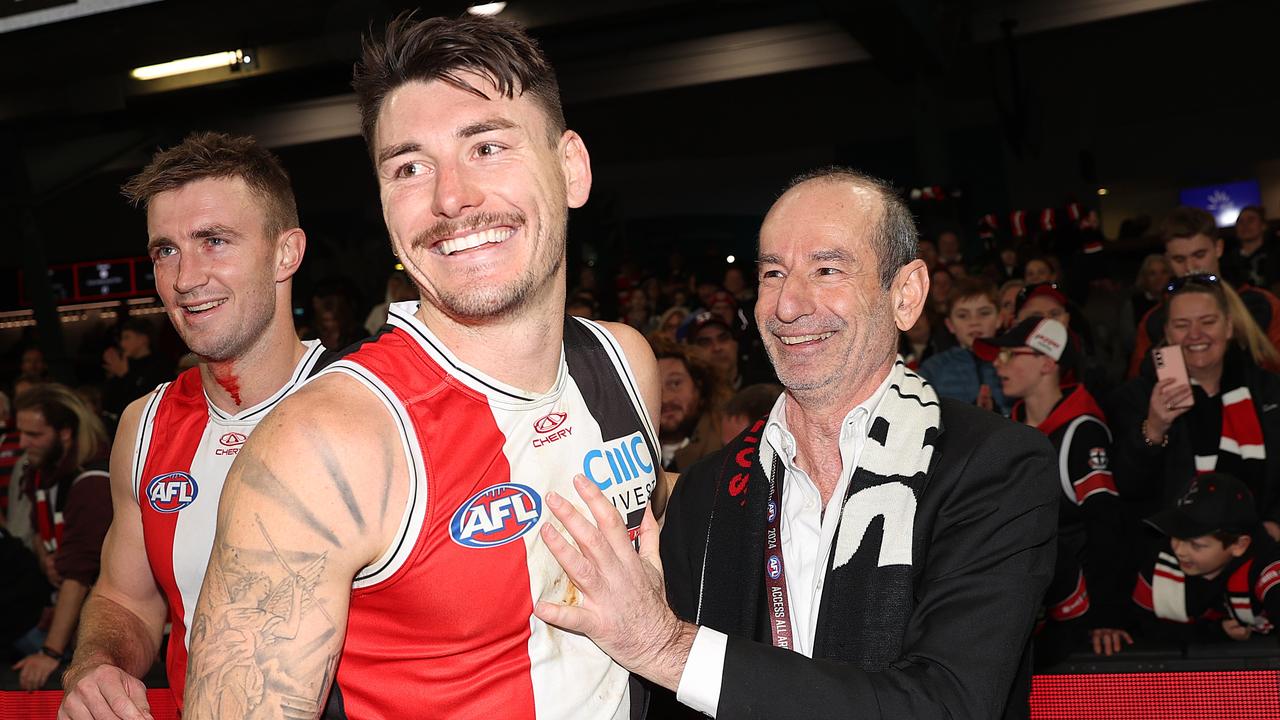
<point>69,106</point>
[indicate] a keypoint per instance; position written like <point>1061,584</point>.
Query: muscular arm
<point>310,500</point>
<point>123,619</point>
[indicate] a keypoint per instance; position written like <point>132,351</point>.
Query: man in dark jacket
<point>868,550</point>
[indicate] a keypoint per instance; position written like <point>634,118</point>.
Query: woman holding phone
<point>1208,407</point>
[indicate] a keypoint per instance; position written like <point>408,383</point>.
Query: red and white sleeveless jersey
<point>442,625</point>
<point>185,447</point>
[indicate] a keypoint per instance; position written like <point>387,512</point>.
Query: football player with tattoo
<point>381,525</point>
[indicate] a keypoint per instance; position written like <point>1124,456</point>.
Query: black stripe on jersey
<point>601,386</point>
<point>444,355</point>
<point>331,355</point>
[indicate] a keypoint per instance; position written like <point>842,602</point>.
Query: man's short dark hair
<point>218,155</point>
<point>972,287</point>
<point>443,48</point>
<point>895,239</point>
<point>1187,222</point>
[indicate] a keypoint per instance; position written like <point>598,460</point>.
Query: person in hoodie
<point>1086,597</point>
<point>972,312</point>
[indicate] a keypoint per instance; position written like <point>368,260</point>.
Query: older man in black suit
<point>867,550</point>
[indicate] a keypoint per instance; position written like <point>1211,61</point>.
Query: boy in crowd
<point>1217,578</point>
<point>972,313</point>
<point>1087,590</point>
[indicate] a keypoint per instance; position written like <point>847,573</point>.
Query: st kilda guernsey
<point>443,625</point>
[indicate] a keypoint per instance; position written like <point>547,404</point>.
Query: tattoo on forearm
<point>260,639</point>
<point>254,473</point>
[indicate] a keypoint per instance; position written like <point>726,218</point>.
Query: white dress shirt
<point>806,535</point>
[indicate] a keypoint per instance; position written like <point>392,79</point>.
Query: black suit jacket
<point>983,554</point>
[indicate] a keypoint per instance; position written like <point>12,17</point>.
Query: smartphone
<point>1171,364</point>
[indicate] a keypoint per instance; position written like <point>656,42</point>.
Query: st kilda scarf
<point>867,598</point>
<point>1240,449</point>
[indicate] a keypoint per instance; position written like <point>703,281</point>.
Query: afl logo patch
<point>496,516</point>
<point>549,422</point>
<point>775,567</point>
<point>171,492</point>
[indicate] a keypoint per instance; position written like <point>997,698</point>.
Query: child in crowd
<point>1218,577</point>
<point>1087,590</point>
<point>972,313</point>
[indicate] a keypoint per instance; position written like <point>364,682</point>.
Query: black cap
<point>1044,335</point>
<point>1209,503</point>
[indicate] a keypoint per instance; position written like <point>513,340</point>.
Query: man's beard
<point>683,429</point>
<point>483,300</point>
<point>54,459</point>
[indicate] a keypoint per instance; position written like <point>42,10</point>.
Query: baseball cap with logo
<point>1044,335</point>
<point>1209,503</point>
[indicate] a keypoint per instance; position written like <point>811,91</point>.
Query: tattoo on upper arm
<point>261,638</point>
<point>334,468</point>
<point>254,473</point>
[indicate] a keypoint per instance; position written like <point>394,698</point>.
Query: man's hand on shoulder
<point>98,692</point>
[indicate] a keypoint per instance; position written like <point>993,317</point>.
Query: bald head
<point>869,206</point>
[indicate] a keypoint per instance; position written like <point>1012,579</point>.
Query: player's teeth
<point>204,306</point>
<point>492,235</point>
<point>804,338</point>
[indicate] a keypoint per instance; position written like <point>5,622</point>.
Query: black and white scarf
<point>867,598</point>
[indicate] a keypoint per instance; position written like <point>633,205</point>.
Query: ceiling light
<point>492,8</point>
<point>729,259</point>
<point>190,65</point>
<point>1102,191</point>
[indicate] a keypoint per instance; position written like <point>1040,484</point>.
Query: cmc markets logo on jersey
<point>171,492</point>
<point>549,427</point>
<point>496,516</point>
<point>624,470</point>
<point>619,461</point>
<point>231,443</point>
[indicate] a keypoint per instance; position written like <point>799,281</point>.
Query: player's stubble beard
<point>480,300</point>
<point>257,307</point>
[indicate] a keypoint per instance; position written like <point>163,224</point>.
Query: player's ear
<point>290,247</point>
<point>575,163</point>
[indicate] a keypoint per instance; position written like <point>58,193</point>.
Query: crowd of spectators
<point>1039,329</point>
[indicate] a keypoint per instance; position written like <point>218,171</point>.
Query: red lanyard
<point>775,576</point>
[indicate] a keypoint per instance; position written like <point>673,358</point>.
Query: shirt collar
<point>781,441</point>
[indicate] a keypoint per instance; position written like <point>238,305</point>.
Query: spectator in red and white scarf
<point>1227,419</point>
